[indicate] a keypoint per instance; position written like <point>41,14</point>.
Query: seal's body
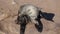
<point>29,13</point>
<point>30,10</point>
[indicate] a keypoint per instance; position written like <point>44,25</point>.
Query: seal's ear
<point>48,16</point>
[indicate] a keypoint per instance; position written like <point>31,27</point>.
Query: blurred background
<point>9,10</point>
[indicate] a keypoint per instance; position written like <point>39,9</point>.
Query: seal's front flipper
<point>39,26</point>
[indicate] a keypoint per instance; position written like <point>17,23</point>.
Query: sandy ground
<point>8,15</point>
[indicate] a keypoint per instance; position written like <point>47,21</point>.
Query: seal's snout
<point>23,19</point>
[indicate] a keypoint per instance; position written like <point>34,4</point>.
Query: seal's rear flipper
<point>48,16</point>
